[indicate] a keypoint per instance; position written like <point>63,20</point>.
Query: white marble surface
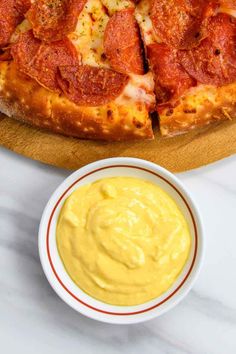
<point>34,320</point>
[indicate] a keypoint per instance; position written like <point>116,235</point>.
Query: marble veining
<point>34,320</point>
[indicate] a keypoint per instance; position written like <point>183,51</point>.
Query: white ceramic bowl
<point>69,291</point>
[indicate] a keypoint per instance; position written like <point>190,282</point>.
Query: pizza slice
<point>191,49</point>
<point>71,66</point>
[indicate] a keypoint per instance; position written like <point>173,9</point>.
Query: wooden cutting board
<point>177,154</point>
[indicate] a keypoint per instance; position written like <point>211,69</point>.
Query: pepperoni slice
<point>122,43</point>
<point>181,23</point>
<point>214,60</point>
<point>171,80</point>
<point>90,86</point>
<point>11,14</point>
<point>52,20</point>
<point>40,60</point>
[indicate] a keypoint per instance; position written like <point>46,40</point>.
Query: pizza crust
<point>25,100</point>
<point>198,107</point>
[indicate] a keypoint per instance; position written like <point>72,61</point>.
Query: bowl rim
<point>107,316</point>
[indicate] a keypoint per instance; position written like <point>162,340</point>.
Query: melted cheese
<point>228,11</point>
<point>21,28</point>
<point>116,5</point>
<point>89,33</point>
<point>139,89</point>
<point>145,23</point>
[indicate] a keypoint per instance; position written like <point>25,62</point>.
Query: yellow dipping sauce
<point>122,240</point>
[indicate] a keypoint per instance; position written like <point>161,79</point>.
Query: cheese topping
<point>122,240</point>
<point>143,18</point>
<point>116,5</point>
<point>228,11</point>
<point>88,36</point>
<point>140,88</point>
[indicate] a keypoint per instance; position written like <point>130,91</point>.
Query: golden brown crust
<point>199,107</point>
<point>24,99</point>
<point>177,154</point>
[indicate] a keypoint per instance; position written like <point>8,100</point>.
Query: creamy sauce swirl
<point>122,240</point>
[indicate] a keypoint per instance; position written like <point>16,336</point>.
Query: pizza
<point>117,69</point>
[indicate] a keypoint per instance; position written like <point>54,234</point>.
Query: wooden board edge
<point>177,154</point>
